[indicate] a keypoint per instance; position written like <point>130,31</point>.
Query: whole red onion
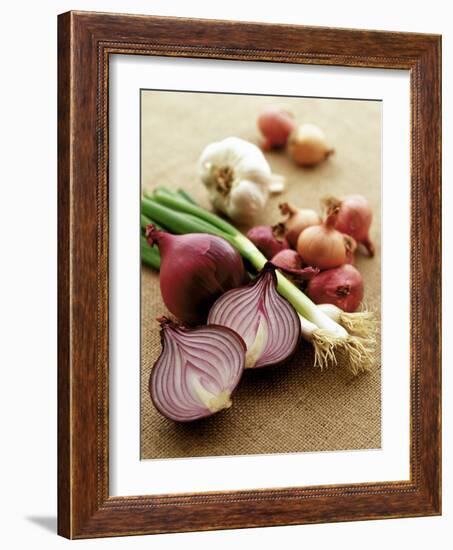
<point>268,239</point>
<point>292,265</point>
<point>195,270</point>
<point>354,218</point>
<point>341,286</point>
<point>275,124</point>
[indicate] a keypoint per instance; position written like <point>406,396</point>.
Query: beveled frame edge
<point>85,41</point>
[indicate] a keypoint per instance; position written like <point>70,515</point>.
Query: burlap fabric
<point>295,407</point>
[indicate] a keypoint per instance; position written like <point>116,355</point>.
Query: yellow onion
<point>298,219</point>
<point>307,145</point>
<point>323,246</point>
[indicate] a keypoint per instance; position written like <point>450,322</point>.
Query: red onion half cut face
<point>268,324</point>
<point>197,370</point>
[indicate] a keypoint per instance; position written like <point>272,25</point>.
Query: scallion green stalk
<point>149,254</point>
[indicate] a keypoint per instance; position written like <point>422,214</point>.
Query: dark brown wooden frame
<point>85,42</point>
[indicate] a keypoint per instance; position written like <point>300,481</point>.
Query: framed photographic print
<point>249,275</point>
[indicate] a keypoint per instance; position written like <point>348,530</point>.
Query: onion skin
<point>354,218</point>
<point>298,219</point>
<point>341,286</point>
<point>275,125</point>
<point>323,246</point>
<point>268,324</point>
<point>268,239</point>
<point>195,270</point>
<point>197,370</point>
<point>307,145</point>
<point>292,265</point>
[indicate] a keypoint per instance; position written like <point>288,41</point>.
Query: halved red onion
<point>197,370</point>
<point>268,324</point>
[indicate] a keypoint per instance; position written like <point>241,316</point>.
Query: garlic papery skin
<point>238,178</point>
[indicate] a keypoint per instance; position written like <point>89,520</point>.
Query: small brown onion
<point>307,145</point>
<point>298,219</point>
<point>341,286</point>
<point>292,265</point>
<point>354,218</point>
<point>323,246</point>
<point>275,124</point>
<point>269,239</point>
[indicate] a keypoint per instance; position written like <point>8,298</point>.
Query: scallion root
<point>357,353</point>
<point>325,345</point>
<point>362,323</point>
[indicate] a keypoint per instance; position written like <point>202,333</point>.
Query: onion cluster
<point>249,326</point>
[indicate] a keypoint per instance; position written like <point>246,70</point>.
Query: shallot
<point>268,239</point>
<point>354,218</point>
<point>195,270</point>
<point>298,219</point>
<point>197,370</point>
<point>268,324</point>
<point>323,246</point>
<point>341,286</point>
<point>276,125</point>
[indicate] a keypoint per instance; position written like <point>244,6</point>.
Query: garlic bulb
<point>238,178</point>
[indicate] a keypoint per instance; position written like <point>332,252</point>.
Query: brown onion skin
<point>298,219</point>
<point>323,246</point>
<point>195,270</point>
<point>268,239</point>
<point>354,218</point>
<point>275,125</point>
<point>341,286</point>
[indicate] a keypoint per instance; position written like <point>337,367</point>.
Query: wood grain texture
<point>85,42</point>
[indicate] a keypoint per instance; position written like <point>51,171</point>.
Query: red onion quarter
<point>268,324</point>
<point>342,287</point>
<point>197,370</point>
